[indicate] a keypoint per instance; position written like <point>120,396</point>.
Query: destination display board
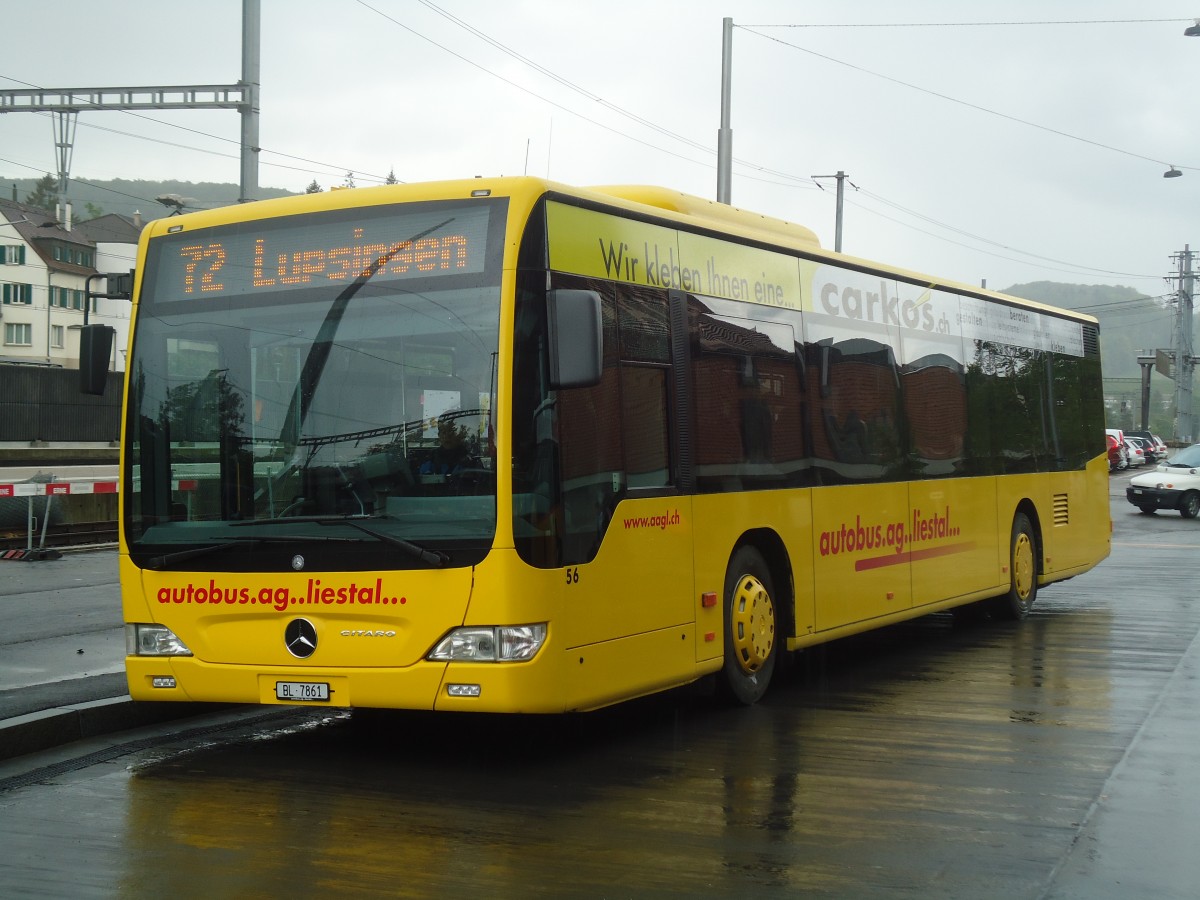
<point>338,247</point>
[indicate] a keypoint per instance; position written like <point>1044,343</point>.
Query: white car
<point>1174,484</point>
<point>1137,456</point>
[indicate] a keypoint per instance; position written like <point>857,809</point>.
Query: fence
<point>44,405</point>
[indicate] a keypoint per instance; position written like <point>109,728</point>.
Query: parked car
<point>1146,445</point>
<point>1154,447</point>
<point>1116,454</point>
<point>1137,456</point>
<point>1174,484</point>
<point>1122,451</point>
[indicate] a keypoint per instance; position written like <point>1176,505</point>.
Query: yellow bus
<point>506,445</point>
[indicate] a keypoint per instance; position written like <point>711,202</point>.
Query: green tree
<point>391,177</point>
<point>313,188</point>
<point>349,180</point>
<point>45,193</point>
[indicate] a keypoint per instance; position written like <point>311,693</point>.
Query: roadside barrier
<point>49,490</point>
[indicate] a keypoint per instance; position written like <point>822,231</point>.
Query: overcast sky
<point>1001,152</point>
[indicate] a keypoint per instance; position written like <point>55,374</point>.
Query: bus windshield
<point>332,393</point>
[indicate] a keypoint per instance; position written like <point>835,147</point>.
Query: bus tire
<point>1189,506</point>
<point>1022,559</point>
<point>751,638</point>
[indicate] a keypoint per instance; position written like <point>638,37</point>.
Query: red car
<point>1116,459</point>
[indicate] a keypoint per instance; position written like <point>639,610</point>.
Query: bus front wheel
<point>751,639</point>
<point>1022,559</point>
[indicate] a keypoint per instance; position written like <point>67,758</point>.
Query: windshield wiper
<point>430,557</point>
<point>169,559</point>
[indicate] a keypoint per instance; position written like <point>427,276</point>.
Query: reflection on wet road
<point>930,759</point>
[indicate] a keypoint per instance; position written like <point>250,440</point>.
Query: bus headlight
<point>501,643</point>
<point>153,640</point>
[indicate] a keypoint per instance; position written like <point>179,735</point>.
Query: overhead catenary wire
<point>969,24</point>
<point>327,169</point>
<point>790,179</point>
<point>1033,256</point>
<point>747,169</point>
<point>966,103</point>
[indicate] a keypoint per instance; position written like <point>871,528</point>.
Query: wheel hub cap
<point>1023,566</point>
<point>753,624</point>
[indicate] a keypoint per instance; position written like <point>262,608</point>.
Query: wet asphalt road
<point>61,635</point>
<point>1052,758</point>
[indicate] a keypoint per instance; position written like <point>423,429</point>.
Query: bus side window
<point>748,382</point>
<point>935,405</point>
<point>859,414</point>
<point>591,479</point>
<point>644,404</point>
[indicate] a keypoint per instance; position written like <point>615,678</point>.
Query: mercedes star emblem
<point>301,638</point>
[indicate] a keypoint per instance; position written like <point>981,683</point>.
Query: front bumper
<point>1153,497</point>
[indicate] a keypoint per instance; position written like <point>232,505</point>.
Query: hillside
<point>1129,322</point>
<point>125,197</point>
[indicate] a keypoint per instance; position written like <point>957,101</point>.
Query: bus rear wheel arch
<point>752,626</point>
<point>1023,571</point>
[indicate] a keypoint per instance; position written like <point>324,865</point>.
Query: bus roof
<point>646,200</point>
<point>745,223</point>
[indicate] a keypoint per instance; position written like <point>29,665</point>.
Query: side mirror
<point>576,338</point>
<point>95,350</point>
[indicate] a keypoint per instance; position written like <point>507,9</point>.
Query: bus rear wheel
<point>751,639</point>
<point>1022,558</point>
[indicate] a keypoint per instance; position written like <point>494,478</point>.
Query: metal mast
<point>725,134</point>
<point>66,104</point>
<point>1184,360</point>
<point>251,40</point>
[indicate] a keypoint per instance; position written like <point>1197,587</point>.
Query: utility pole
<point>841,195</point>
<point>1184,360</point>
<point>725,135</point>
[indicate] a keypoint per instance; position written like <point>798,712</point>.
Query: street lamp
<point>1190,31</point>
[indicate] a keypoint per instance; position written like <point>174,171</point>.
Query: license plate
<point>1137,490</point>
<point>301,690</point>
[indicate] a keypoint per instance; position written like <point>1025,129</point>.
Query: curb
<point>38,731</point>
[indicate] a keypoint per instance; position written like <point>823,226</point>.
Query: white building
<point>116,239</point>
<point>44,271</point>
